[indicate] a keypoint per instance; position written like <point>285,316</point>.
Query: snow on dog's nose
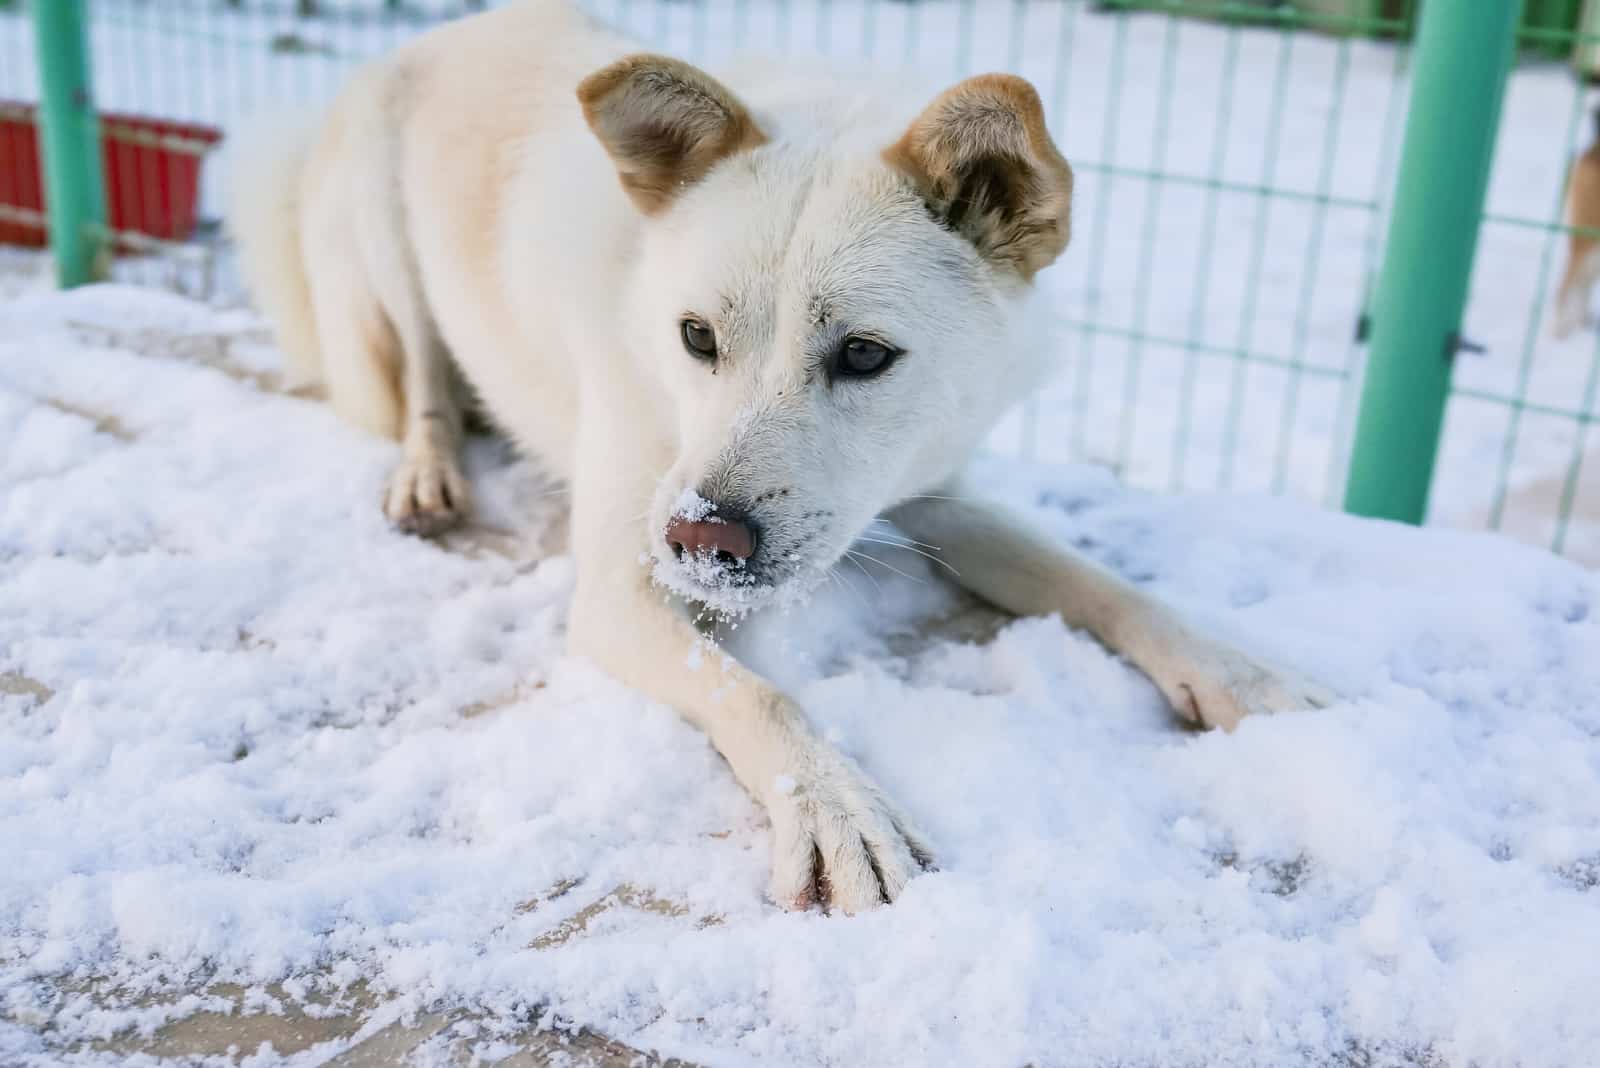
<point>724,539</point>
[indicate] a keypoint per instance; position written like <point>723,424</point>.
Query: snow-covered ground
<point>249,735</point>
<point>1176,276</point>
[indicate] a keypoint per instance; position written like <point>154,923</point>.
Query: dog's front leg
<point>1006,560</point>
<point>427,493</point>
<point>836,839</point>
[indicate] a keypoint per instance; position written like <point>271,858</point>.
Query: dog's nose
<point>726,539</point>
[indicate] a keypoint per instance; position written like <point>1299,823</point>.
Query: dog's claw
<point>838,842</point>
<point>1217,686</point>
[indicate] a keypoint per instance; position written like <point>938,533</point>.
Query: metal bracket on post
<point>1462,60</point>
<point>69,135</point>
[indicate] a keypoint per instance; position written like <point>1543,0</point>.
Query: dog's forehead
<point>805,233</point>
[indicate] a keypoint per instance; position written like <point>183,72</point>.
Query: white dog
<point>741,322</point>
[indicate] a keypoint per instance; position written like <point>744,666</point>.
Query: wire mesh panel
<point>1518,454</point>
<point>173,76</point>
<point>1233,159</point>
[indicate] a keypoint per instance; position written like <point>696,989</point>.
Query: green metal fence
<point>1240,198</point>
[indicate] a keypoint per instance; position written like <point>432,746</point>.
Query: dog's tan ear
<point>982,159</point>
<point>665,124</point>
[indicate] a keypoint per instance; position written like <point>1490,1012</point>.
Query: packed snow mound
<point>249,734</point>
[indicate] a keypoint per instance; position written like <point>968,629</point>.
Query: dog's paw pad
<point>426,496</point>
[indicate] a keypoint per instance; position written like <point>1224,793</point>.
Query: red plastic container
<point>152,173</point>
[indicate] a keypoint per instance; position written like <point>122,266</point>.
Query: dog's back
<point>328,214</point>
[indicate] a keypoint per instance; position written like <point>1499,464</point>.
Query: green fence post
<point>69,134</point>
<point>1462,58</point>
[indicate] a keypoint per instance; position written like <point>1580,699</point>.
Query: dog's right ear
<point>665,124</point>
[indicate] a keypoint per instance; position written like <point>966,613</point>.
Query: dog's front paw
<point>1210,684</point>
<point>426,495</point>
<point>837,841</point>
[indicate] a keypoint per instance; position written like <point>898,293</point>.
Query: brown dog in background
<point>1583,250</point>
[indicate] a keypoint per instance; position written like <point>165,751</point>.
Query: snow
<point>269,739</point>
<point>693,507</point>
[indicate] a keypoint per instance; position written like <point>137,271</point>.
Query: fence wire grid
<point>1234,164</point>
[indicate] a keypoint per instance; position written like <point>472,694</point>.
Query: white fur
<point>456,204</point>
<point>264,213</point>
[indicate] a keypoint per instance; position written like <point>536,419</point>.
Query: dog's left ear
<point>665,124</point>
<point>983,160</point>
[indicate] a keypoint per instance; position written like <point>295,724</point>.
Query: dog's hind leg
<point>360,361</point>
<point>1004,560</point>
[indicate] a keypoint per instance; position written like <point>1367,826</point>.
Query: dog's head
<point>833,319</point>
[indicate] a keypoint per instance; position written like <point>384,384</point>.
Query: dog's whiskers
<point>937,497</point>
<point>908,539</point>
<point>853,553</point>
<point>835,577</point>
<point>873,540</point>
<point>851,556</point>
<point>911,549</point>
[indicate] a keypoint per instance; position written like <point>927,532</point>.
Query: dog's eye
<point>699,339</point>
<point>861,357</point>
